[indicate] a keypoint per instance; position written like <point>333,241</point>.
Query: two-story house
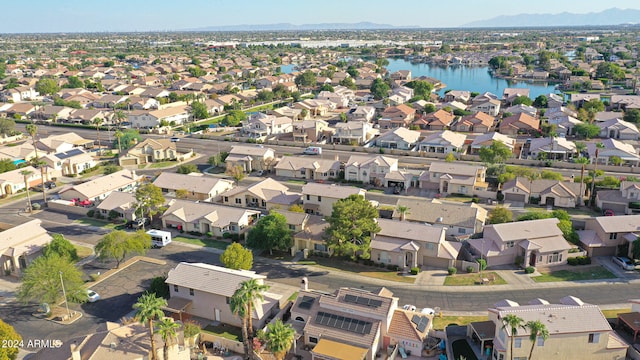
<point>490,106</point>
<point>251,158</point>
<point>369,169</point>
<point>626,200</point>
<point>396,117</point>
<point>266,194</point>
<point>439,120</point>
<point>310,131</point>
<point>353,133</point>
<point>362,113</point>
<point>454,178</point>
<point>318,199</point>
<point>478,122</point>
<point>607,235</point>
<point>309,168</point>
<point>260,125</point>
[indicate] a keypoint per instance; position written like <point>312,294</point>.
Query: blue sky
<point>152,15</point>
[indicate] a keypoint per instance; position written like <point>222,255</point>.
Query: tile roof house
<point>251,158</point>
<point>478,122</point>
<point>122,203</point>
<point>353,133</point>
<point>443,142</point>
<point>207,218</point>
<point>266,194</point>
<point>612,147</point>
<point>522,108</point>
<point>318,199</point>
<point>603,235</point>
<point>489,106</point>
<point>152,150</point>
<point>409,330</point>
<point>400,138</point>
<point>20,245</point>
<point>438,120</point>
<point>551,148</point>
<point>369,169</point>
<point>626,200</point>
<point>488,139</point>
<point>349,324</point>
<point>410,244</point>
<point>261,125</point>
<point>98,189</point>
<point>549,192</point>
<point>153,118</point>
<point>69,162</point>
<point>463,96</point>
<point>396,116</point>
<point>460,220</point>
<point>618,129</point>
<point>11,182</point>
<point>204,290</point>
<point>519,124</point>
<point>576,331</point>
<point>564,124</point>
<point>63,142</point>
<point>538,242</point>
<point>362,113</point>
<point>197,186</point>
<point>454,178</point>
<point>299,167</point>
<point>310,131</point>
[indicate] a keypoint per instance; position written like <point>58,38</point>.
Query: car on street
<point>92,296</point>
<point>624,262</point>
<point>175,139</point>
<point>428,311</point>
<point>409,307</point>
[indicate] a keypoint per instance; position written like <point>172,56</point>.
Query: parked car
<point>138,223</point>
<point>608,212</point>
<point>50,184</point>
<point>175,139</point>
<point>624,262</point>
<point>428,311</point>
<point>92,296</point>
<point>409,307</point>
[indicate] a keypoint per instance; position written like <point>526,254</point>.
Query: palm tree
<point>536,330</point>
<point>251,291</point>
<point>403,210</point>
<point>32,130</point>
<point>512,322</point>
<point>119,134</point>
<point>238,308</point>
<point>167,330</point>
<point>26,174</point>
<point>120,115</point>
<point>149,308</point>
<point>97,122</point>
<point>280,337</point>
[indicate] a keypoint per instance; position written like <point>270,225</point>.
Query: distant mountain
<point>612,16</point>
<point>303,27</point>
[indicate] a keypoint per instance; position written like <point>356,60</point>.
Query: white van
<point>159,238</point>
<point>313,150</point>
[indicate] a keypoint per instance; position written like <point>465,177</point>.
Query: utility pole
<point>66,303</point>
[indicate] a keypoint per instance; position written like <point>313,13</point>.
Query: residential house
<point>154,118</point>
<point>205,218</point>
<point>53,113</point>
<point>308,231</point>
<point>443,142</point>
<point>318,199</point>
<point>576,331</point>
<point>488,139</point>
<point>519,124</point>
<point>510,94</point>
<point>478,122</point>
<point>152,150</point>
<point>20,245</point>
<point>547,192</point>
<point>396,117</point>
<point>311,131</point>
<point>491,107</point>
<point>484,97</point>
<point>63,143</point>
<point>459,220</point>
<point>194,186</point>
<point>550,148</point>
<point>618,129</point>
<point>18,154</point>
<point>439,120</point>
<point>578,99</point>
<point>409,330</point>
<point>454,178</point>
<point>341,96</point>
<point>462,96</point>
<point>559,112</point>
<point>626,200</point>
<point>362,113</point>
<point>266,194</point>
<point>369,169</point>
<point>533,243</point>
<point>610,148</point>
<point>399,138</point>
<point>608,235</point>
<point>315,107</point>
<point>251,158</point>
<point>554,101</point>
<point>204,290</point>
<point>19,94</point>
<point>347,324</point>
<point>309,168</point>
<point>261,125</point>
<point>71,162</point>
<point>11,182</point>
<point>21,110</point>
<point>353,133</point>
<point>99,188</point>
<point>565,124</point>
<point>403,75</point>
<point>409,244</point>
<point>122,204</point>
<point>522,109</point>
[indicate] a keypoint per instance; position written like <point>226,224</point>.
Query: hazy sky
<point>147,15</point>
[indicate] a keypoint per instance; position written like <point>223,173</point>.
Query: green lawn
<point>360,269</point>
<point>591,273</point>
<point>99,223</point>
<point>473,279</point>
<point>440,322</point>
<point>216,244</point>
<point>98,171</point>
<point>293,296</point>
<point>83,251</point>
<point>225,331</point>
<point>162,164</point>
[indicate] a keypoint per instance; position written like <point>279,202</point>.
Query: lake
<point>471,78</point>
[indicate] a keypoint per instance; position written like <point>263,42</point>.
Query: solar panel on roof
<point>344,323</point>
<point>68,154</point>
<point>350,298</point>
<point>306,302</point>
<point>361,300</point>
<point>375,303</point>
<point>415,319</point>
<point>422,326</point>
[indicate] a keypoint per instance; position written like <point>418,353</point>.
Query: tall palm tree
<point>120,116</point>
<point>43,177</point>
<point>251,291</point>
<point>239,309</point>
<point>167,330</point>
<point>512,322</point>
<point>149,308</point>
<point>536,330</point>
<point>403,210</point>
<point>26,174</point>
<point>280,337</point>
<point>32,130</point>
<point>119,134</point>
<point>97,122</point>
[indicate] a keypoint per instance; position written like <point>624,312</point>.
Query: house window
<point>509,244</point>
<point>292,227</point>
<point>430,246</point>
<point>462,231</point>
<point>555,257</point>
<point>320,247</point>
<point>540,341</point>
<point>303,172</point>
<point>517,343</point>
<point>299,318</point>
<point>196,226</point>
<point>613,236</point>
<point>175,288</point>
<point>502,335</point>
<point>308,197</point>
<point>594,338</point>
<point>238,201</point>
<point>228,299</point>
<point>191,292</point>
<point>313,340</point>
<point>319,198</point>
<point>463,189</point>
<point>226,199</point>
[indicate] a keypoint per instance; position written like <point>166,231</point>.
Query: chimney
<point>304,285</point>
<point>75,351</point>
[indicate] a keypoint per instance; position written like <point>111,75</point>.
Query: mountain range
<point>612,16</point>
<point>304,27</point>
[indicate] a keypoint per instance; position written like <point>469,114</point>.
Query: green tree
<point>540,102</point>
<point>609,70</point>
<point>593,105</point>
<point>47,86</point>
<point>199,110</point>
<point>280,338</point>
<point>450,157</point>
<point>429,108</point>
<point>511,323</point>
<point>149,196</point>
<point>327,87</point>
<point>635,248</point>
<point>234,118</point>
<point>97,122</point>
<point>253,293</point>
<point>421,89</point>
<point>168,331</point>
<point>7,126</point>
<point>348,83</point>
<point>237,257</point>
<point>6,165</point>
<point>32,130</point>
<point>217,159</point>
<point>159,287</point>
<point>270,232</point>
<point>236,172</point>
<point>496,153</point>
<point>500,215</point>
<point>379,89</point>
<point>498,62</point>
<point>41,280</point>
<point>8,334</point>
<point>196,71</point>
<point>296,208</point>
<point>73,82</point>
<point>306,80</point>
<point>352,71</point>
<point>128,139</point>
<point>26,174</point>
<point>632,115</point>
<point>351,225</point>
<point>118,244</point>
<point>149,308</point>
<point>523,100</point>
<point>187,169</point>
<point>586,131</point>
<point>61,247</point>
<point>536,330</point>
<point>238,308</point>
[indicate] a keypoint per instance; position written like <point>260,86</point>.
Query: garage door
<point>514,197</point>
<point>435,262</point>
<point>618,209</point>
<point>604,251</point>
<point>126,162</point>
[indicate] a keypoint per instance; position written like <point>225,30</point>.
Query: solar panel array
<point>306,302</point>
<point>361,300</point>
<point>68,154</point>
<point>421,322</point>
<point>343,322</point>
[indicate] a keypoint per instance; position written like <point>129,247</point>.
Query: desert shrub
<point>470,269</point>
<point>415,270</point>
<point>529,270</point>
<point>90,213</point>
<point>452,270</point>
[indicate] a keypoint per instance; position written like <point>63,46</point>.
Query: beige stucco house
<point>251,158</point>
<point>605,235</point>
<point>454,178</point>
<point>318,199</point>
<point>207,218</point>
<point>266,194</point>
<point>195,186</point>
<point>550,192</point>
<point>98,189</point>
<point>152,150</point>
<point>20,245</point>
